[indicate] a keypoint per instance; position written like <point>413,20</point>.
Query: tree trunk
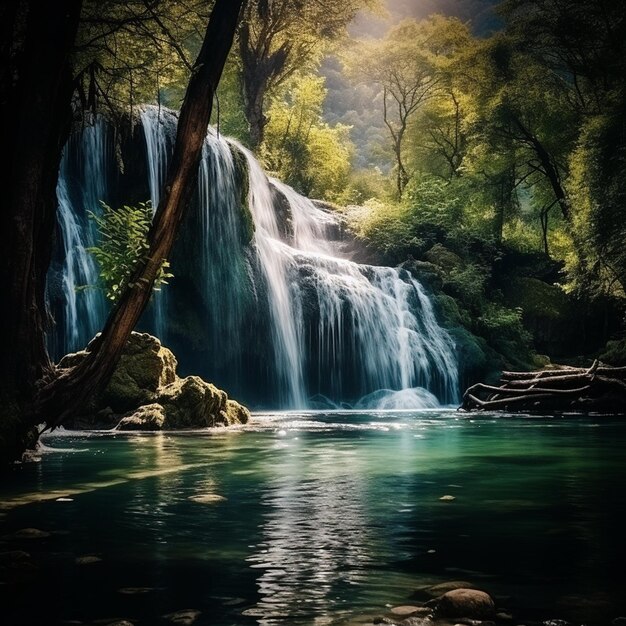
<point>254,80</point>
<point>253,111</point>
<point>36,120</point>
<point>402,178</point>
<point>66,394</point>
<point>550,170</point>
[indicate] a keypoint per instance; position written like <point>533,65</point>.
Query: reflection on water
<point>314,518</point>
<point>314,534</point>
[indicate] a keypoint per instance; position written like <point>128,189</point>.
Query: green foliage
<point>598,186</point>
<point>229,106</point>
<point>129,53</point>
<point>504,331</point>
<point>407,67</point>
<point>433,211</point>
<point>300,147</point>
<point>364,185</point>
<point>123,244</point>
<point>615,353</point>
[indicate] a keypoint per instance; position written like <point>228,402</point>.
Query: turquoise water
<point>320,519</point>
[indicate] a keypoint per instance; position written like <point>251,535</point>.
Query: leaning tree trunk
<point>36,115</point>
<point>69,391</point>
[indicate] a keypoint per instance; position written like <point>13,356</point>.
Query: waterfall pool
<point>318,518</point>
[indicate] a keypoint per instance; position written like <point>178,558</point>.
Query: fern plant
<point>123,243</point>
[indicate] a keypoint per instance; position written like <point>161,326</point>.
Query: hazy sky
<point>478,12</point>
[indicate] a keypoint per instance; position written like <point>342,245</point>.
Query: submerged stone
<point>30,533</point>
<point>465,603</point>
<point>87,560</point>
<point>405,611</point>
<point>134,591</point>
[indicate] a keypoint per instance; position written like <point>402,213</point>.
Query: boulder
<point>235,413</point>
<point>145,365</point>
<point>147,417</point>
<point>443,258</point>
<point>428,274</point>
<point>193,403</point>
<point>469,603</point>
<point>145,389</point>
<point>614,353</point>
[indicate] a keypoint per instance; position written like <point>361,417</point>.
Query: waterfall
<point>275,259</point>
<point>159,127</point>
<point>266,301</point>
<point>375,325</point>
<point>81,186</point>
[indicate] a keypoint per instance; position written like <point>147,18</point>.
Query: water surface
<point>321,518</point>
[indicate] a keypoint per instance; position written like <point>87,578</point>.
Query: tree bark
<point>256,71</point>
<point>36,117</point>
<point>69,391</point>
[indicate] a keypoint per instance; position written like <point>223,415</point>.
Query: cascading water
<point>82,185</point>
<point>266,303</point>
<point>376,329</point>
<point>275,258</point>
<point>159,128</point>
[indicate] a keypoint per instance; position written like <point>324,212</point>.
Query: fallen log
<point>598,389</point>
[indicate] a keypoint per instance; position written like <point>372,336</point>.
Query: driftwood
<point>599,389</point>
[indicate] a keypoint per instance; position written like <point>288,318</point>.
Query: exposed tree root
<point>598,388</point>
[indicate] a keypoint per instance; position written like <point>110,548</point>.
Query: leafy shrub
<point>123,243</point>
<point>504,331</point>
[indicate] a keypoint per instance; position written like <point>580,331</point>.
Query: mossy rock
<point>476,360</point>
<point>241,174</point>
<point>284,215</point>
<point>235,413</point>
<point>443,258</point>
<point>193,403</point>
<point>144,367</point>
<point>148,417</point>
<point>428,274</point>
<point>146,389</point>
<point>450,312</point>
<point>615,353</point>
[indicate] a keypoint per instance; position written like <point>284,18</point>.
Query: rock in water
<point>192,403</point>
<point>87,560</point>
<point>148,417</point>
<point>30,533</point>
<point>135,591</point>
<point>465,603</point>
<point>408,611</point>
<point>145,388</point>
